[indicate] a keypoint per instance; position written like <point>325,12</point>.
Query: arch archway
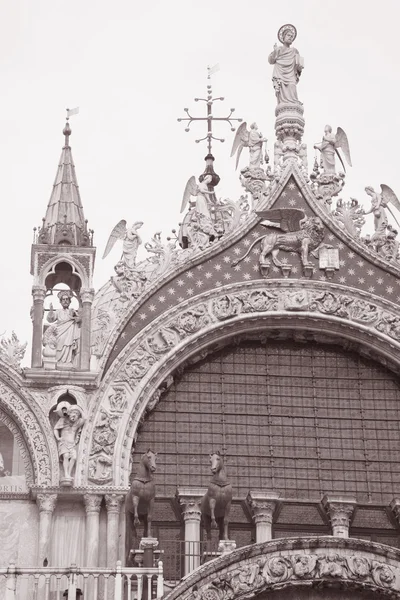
<point>192,327</point>
<point>291,568</point>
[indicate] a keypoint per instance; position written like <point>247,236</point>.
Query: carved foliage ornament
<point>268,572</point>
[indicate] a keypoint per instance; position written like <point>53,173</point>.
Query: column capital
<point>38,293</point>
<point>92,502</point>
<point>262,505</point>
<point>113,502</point>
<point>87,295</point>
<point>189,500</point>
<point>46,502</point>
<point>340,510</point>
<point>395,508</point>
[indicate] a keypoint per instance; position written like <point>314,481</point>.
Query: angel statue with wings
<point>379,204</point>
<point>131,242</point>
<point>329,147</point>
<point>251,139</point>
<point>197,227</point>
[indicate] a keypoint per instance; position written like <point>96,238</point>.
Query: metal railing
<point>181,557</point>
<point>51,583</point>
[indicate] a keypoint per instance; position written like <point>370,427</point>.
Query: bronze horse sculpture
<point>140,498</point>
<point>216,503</point>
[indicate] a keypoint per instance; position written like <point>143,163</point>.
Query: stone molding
<point>29,419</point>
<point>114,502</point>
<point>290,169</point>
<point>46,502</point>
<point>194,325</point>
<point>87,295</point>
<point>38,293</point>
<point>347,564</point>
<point>92,502</point>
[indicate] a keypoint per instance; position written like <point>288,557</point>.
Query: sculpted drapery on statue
<point>67,433</point>
<point>254,140</point>
<point>288,66</point>
<point>329,149</point>
<point>67,331</point>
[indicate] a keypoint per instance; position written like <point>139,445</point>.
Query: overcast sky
<point>133,66</point>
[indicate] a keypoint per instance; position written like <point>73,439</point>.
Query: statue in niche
<point>251,139</point>
<point>66,331</point>
<point>130,245</point>
<point>288,66</point>
<point>329,149</point>
<point>67,432</point>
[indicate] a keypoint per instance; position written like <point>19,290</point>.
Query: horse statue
<point>140,498</point>
<point>216,503</point>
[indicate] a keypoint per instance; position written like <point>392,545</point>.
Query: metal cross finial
<point>210,117</point>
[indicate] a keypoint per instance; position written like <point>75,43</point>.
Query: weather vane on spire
<point>209,117</point>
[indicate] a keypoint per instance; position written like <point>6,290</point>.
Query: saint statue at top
<point>288,66</point>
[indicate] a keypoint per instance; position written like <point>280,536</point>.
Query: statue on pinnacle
<point>288,66</point>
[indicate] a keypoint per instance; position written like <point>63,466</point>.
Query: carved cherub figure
<point>251,139</point>
<point>329,147</point>
<point>131,242</point>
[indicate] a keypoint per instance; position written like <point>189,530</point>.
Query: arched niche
<point>16,469</point>
<point>31,429</point>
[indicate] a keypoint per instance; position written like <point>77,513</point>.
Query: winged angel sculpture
<point>383,239</point>
<point>299,233</point>
<point>251,139</point>
<point>329,148</point>
<point>197,228</point>
<point>131,242</point>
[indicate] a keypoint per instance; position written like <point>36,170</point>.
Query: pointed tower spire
<point>62,255</point>
<point>64,223</point>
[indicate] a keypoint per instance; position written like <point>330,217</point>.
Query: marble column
<point>113,505</point>
<point>92,507</point>
<point>38,293</point>
<point>87,296</point>
<point>262,505</point>
<point>46,504</point>
<point>189,499</point>
<point>339,510</point>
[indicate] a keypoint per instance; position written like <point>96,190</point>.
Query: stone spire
<point>64,223</point>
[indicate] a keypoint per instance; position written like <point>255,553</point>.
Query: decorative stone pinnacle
<point>113,502</point>
<point>92,502</point>
<point>339,510</point>
<point>46,502</point>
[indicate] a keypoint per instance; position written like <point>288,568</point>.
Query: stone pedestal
<point>263,505</point>
<point>113,505</point>
<point>46,504</point>
<point>92,507</point>
<point>289,128</point>
<point>340,510</point>
<point>189,499</point>
<point>226,546</point>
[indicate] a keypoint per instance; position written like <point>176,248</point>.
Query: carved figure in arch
<point>67,433</point>
<point>251,139</point>
<point>301,234</point>
<point>329,148</point>
<point>140,498</point>
<point>288,66</point>
<point>216,503</point>
<point>67,331</point>
<point>130,245</point>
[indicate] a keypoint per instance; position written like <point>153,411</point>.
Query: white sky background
<point>132,66</point>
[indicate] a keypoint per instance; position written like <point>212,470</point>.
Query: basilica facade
<point>223,412</point>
